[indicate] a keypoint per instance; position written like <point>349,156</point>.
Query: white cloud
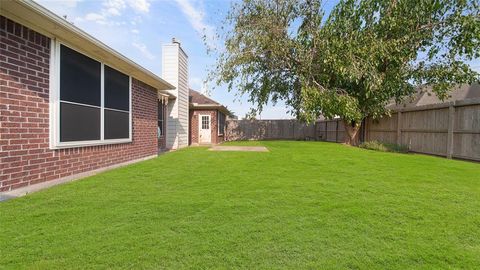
<point>113,11</point>
<point>65,8</point>
<point>196,17</point>
<point>95,17</point>
<point>70,3</point>
<point>135,31</point>
<point>140,6</point>
<point>116,8</point>
<point>204,89</point>
<point>136,20</point>
<point>143,50</point>
<point>113,7</point>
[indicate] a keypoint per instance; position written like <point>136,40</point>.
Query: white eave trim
<point>40,19</point>
<point>209,106</point>
<point>166,94</point>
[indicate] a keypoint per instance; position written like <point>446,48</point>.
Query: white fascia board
<point>42,20</point>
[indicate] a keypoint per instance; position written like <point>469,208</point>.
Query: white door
<point>205,134</point>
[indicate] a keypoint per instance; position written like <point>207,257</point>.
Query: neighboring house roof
<point>200,101</point>
<point>49,24</point>
<point>425,96</point>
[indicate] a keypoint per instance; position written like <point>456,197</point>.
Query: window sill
<point>66,145</point>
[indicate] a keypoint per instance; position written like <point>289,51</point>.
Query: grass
<point>302,205</point>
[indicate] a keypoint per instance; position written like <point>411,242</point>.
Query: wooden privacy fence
<point>269,130</point>
<point>449,129</point>
<point>330,130</point>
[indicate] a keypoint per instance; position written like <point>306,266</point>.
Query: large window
<point>90,101</point>
<point>221,123</point>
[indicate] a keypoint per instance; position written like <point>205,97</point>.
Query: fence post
<point>367,134</point>
<point>293,130</point>
<point>451,124</point>
<point>325,130</point>
<point>399,127</point>
<point>336,132</point>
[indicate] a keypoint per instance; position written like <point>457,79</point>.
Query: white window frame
<point>54,103</point>
<point>207,121</point>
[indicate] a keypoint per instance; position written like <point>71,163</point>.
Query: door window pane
<point>205,122</point>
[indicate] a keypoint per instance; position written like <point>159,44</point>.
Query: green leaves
<point>330,104</point>
<point>365,54</point>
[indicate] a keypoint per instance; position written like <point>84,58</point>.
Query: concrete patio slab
<point>239,148</point>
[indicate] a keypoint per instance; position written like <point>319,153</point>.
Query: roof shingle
<point>198,98</point>
<point>427,97</point>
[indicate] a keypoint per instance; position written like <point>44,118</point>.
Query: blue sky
<point>138,28</point>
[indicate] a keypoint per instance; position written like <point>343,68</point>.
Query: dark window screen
<point>116,89</point>
<point>161,118</point>
<point>79,123</point>
<point>79,78</point>
<point>161,109</point>
<point>221,123</point>
<point>116,124</point>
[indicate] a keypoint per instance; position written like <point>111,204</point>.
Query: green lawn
<point>302,205</point>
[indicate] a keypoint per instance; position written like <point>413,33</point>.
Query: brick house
<point>207,119</point>
<point>69,104</point>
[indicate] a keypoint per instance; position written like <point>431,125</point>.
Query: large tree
<point>351,63</point>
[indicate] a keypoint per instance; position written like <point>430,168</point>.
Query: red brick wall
<point>25,157</point>
<point>194,116</point>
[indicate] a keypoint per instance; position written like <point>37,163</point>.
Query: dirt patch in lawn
<point>239,148</point>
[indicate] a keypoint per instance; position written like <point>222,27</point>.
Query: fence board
<point>425,129</point>
<point>269,130</point>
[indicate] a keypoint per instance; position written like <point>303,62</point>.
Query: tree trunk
<point>351,128</point>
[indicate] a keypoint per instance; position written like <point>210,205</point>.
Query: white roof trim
<point>40,19</point>
<point>166,94</point>
<point>209,106</point>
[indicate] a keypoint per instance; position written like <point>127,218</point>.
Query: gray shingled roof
<point>425,96</point>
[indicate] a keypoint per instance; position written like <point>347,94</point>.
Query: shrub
<point>384,147</point>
